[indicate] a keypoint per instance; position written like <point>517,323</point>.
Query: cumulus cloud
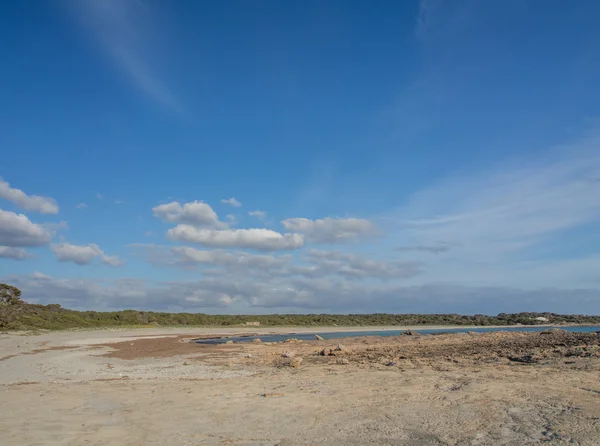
<point>261,215</point>
<point>83,254</point>
<point>16,230</point>
<point>231,202</point>
<point>194,213</point>
<point>259,239</point>
<point>8,252</point>
<point>44,205</point>
<point>188,255</point>
<point>332,230</point>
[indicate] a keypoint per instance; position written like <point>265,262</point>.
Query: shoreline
<point>120,334</point>
<point>132,386</point>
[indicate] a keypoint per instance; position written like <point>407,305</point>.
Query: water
<point>352,334</point>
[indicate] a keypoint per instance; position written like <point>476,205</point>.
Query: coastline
<point>151,386</point>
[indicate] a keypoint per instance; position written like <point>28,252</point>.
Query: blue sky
<point>254,157</point>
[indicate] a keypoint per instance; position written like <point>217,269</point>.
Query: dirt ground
<point>158,388</point>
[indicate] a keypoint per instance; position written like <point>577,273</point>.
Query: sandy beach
<point>154,387</point>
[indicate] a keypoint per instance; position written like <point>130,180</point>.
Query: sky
<point>302,157</point>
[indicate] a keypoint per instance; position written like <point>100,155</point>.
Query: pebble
<point>296,362</point>
<point>256,341</point>
<point>288,354</point>
<point>342,361</point>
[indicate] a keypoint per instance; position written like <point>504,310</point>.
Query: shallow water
<point>351,334</point>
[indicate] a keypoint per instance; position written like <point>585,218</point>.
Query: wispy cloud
<point>81,206</point>
<point>126,31</point>
<point>503,217</point>
<point>99,196</point>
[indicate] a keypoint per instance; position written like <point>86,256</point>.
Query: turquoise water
<point>351,334</point>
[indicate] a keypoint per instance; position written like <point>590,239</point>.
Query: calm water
<point>350,334</point>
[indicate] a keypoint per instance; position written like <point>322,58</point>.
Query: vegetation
<point>16,314</point>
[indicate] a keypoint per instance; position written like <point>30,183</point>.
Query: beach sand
<point>153,387</point>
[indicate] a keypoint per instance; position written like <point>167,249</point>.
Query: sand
<point>152,387</point>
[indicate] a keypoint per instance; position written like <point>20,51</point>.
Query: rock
<point>271,395</point>
<point>296,362</point>
<point>342,361</point>
<point>340,348</point>
<point>256,341</point>
<point>326,352</point>
<point>392,364</point>
<point>248,355</point>
<point>553,331</point>
<point>288,354</point>
<point>229,342</point>
<point>525,359</point>
<point>408,332</point>
<point>319,338</point>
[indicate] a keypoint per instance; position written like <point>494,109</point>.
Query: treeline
<point>16,314</point>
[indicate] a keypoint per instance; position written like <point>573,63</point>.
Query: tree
<point>10,304</point>
<point>9,295</point>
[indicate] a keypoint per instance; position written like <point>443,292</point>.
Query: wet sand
<point>154,387</point>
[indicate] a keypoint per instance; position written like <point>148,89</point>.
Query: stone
<point>319,338</point>
<point>288,354</point>
<point>392,364</point>
<point>296,362</point>
<point>340,348</point>
<point>326,352</point>
<point>256,341</point>
<point>229,342</point>
<point>342,361</point>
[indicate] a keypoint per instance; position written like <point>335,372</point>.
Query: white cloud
<point>231,220</point>
<point>9,252</point>
<point>261,215</point>
<point>112,261</point>
<point>81,206</point>
<point>187,255</point>
<point>16,230</point>
<point>44,205</point>
<point>354,266</point>
<point>38,275</point>
<point>231,202</point>
<point>259,239</point>
<point>332,230</point>
<point>194,213</point>
<point>82,254</point>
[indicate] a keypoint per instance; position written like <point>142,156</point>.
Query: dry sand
<point>152,387</point>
